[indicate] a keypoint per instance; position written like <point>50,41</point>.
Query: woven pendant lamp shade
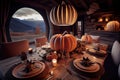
<point>63,15</point>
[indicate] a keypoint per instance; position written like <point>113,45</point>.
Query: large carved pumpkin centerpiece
<point>63,42</point>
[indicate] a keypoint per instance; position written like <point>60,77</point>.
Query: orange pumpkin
<point>113,26</point>
<point>86,38</point>
<point>63,42</point>
<point>51,56</point>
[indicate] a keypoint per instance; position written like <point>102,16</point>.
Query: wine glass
<point>23,57</point>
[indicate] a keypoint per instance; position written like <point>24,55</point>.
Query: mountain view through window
<point>26,23</point>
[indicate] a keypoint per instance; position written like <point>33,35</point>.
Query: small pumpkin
<point>113,26</point>
<point>86,38</point>
<point>63,42</point>
<point>51,56</point>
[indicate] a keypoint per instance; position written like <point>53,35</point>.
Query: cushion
<point>95,38</point>
<point>116,52</point>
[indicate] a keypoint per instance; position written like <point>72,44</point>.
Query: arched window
<point>27,23</point>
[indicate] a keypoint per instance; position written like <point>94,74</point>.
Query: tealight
<point>54,62</point>
<point>51,72</point>
<point>94,59</point>
<point>55,52</point>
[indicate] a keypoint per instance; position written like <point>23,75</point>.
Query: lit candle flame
<point>54,62</point>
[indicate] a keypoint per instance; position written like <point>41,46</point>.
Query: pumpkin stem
<point>63,2</point>
<point>86,34</point>
<point>65,32</point>
<point>67,54</point>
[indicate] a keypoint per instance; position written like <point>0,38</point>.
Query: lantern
<point>63,15</point>
<point>113,26</point>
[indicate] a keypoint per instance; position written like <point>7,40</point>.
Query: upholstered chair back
<point>11,49</point>
<point>119,71</point>
<point>115,53</point>
<point>1,76</point>
<point>40,41</point>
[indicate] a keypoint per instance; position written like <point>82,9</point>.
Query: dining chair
<point>119,71</point>
<point>1,76</point>
<point>40,41</point>
<point>115,53</point>
<point>11,49</point>
<point>112,63</point>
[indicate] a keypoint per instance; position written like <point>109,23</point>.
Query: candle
<point>94,59</point>
<point>51,72</point>
<point>86,49</point>
<point>55,52</point>
<point>54,62</point>
<point>30,50</point>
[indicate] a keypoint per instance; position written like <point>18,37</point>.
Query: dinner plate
<point>36,70</point>
<point>91,69</point>
<point>92,50</point>
<point>95,52</point>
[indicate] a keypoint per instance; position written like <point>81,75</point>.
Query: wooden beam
<point>73,2</point>
<point>83,3</point>
<point>33,3</point>
<point>54,2</point>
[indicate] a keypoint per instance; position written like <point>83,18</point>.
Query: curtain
<point>4,12</point>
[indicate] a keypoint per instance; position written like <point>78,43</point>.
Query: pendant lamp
<point>63,15</point>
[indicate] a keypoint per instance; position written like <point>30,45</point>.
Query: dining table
<point>64,69</point>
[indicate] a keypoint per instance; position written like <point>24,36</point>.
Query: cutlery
<point>51,76</point>
<point>68,71</point>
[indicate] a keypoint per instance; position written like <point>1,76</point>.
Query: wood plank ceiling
<point>82,6</point>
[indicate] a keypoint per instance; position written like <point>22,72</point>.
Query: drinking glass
<point>23,57</point>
